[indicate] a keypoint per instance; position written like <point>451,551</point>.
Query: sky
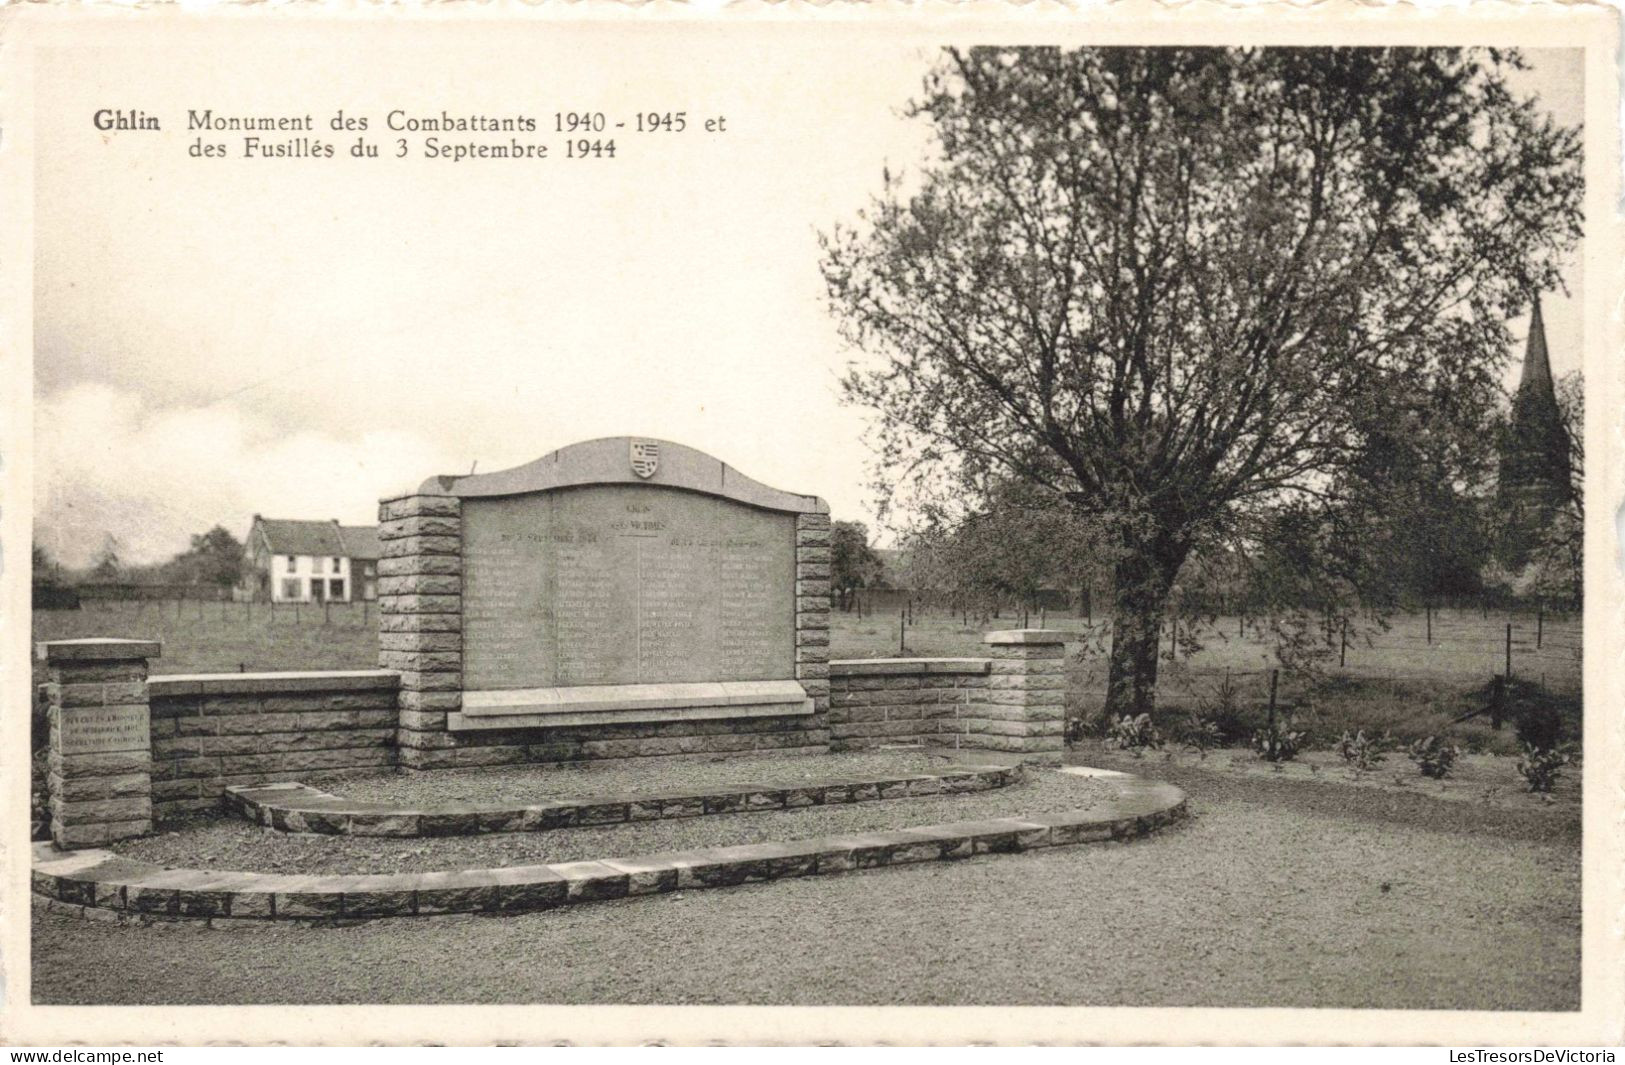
<point>298,338</point>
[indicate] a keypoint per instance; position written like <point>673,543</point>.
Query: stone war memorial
<point>616,598</point>
<point>620,602</point>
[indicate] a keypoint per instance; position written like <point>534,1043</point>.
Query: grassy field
<point>201,637</point>
<point>1464,645</point>
<point>1277,893</point>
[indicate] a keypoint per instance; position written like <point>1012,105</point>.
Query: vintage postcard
<point>787,523</point>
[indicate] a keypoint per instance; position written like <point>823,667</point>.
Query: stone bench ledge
<point>603,698</point>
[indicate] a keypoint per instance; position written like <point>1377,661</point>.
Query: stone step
<point>292,807</point>
<point>100,884</point>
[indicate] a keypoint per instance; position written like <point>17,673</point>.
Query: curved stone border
<point>301,808</point>
<point>100,884</point>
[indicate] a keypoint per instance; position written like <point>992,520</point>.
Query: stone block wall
<point>902,700</point>
<point>210,731</point>
<point>1012,701</point>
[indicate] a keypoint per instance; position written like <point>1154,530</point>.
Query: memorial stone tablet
<point>103,729</point>
<point>625,584</point>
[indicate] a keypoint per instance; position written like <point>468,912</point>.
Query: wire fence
<point>345,615</point>
<point>1537,646</point>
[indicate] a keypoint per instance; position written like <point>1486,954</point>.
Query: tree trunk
<point>1142,582</point>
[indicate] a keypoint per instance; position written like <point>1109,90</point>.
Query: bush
<point>1277,744</point>
<point>1222,709</point>
<point>1540,767</point>
<point>1076,729</point>
<point>1538,725</point>
<point>1201,734</point>
<point>1364,752</point>
<point>1540,718</point>
<point>1134,734</point>
<point>1434,757</point>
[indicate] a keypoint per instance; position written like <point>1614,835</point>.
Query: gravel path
<point>528,784</point>
<point>1275,894</point>
<point>223,842</point>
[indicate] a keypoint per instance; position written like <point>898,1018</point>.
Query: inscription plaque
<point>104,729</point>
<point>625,584</point>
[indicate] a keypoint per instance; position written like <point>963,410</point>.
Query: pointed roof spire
<point>1537,366</point>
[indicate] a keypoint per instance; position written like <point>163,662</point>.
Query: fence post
<point>902,629</point>
<point>1275,676</point>
<point>1343,645</point>
<point>1540,626</point>
<point>1509,650</point>
<point>1429,609</point>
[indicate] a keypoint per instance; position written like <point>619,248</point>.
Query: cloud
<point>110,462</point>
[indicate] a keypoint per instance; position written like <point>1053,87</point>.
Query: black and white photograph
<point>813,509</point>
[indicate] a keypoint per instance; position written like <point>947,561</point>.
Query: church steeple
<point>1534,475</point>
<point>1537,365</point>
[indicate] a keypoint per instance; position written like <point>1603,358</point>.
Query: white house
<point>312,561</point>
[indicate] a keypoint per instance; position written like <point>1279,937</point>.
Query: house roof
<point>288,536</point>
<point>360,541</point>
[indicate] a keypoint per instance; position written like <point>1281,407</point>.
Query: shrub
<point>1538,725</point>
<point>1434,757</point>
<point>1222,708</point>
<point>1540,766</point>
<point>1134,734</point>
<point>1076,728</point>
<point>1364,752</point>
<point>1201,734</point>
<point>1277,744</point>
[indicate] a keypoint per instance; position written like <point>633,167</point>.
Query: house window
<point>317,587</point>
<point>290,588</point>
<point>335,589</point>
<point>293,563</point>
<point>335,565</point>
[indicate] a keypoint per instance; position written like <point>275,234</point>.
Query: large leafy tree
<point>1184,288</point>
<point>853,562</point>
<point>214,557</point>
<point>1018,541</point>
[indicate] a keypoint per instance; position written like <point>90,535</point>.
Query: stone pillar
<point>1028,683</point>
<point>812,610</point>
<point>420,617</point>
<point>101,739</point>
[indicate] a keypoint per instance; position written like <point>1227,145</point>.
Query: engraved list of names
<point>625,584</point>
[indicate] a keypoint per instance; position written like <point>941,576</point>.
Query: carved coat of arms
<point>645,458</point>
